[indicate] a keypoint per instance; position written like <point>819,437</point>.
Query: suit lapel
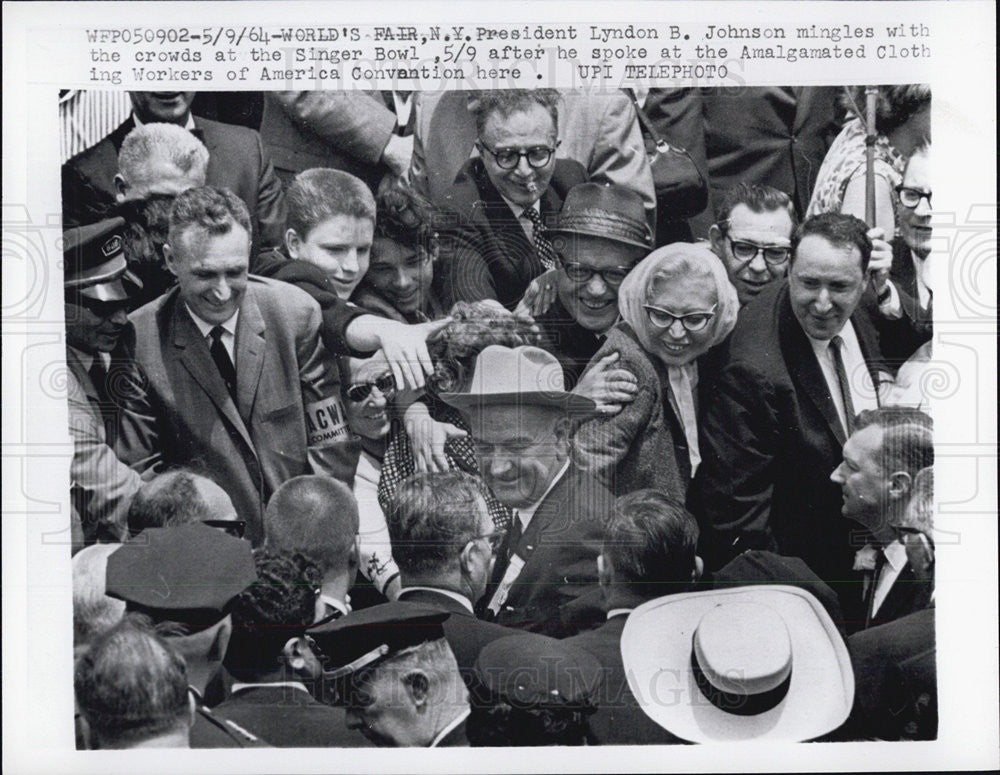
<point>249,354</point>
<point>118,136</point>
<point>192,351</point>
<point>804,368</point>
<point>906,595</point>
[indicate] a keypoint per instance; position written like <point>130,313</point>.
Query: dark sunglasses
<point>234,527</point>
<point>359,391</point>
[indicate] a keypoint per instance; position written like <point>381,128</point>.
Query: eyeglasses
<point>509,158</point>
<point>234,527</point>
<point>581,273</point>
<point>359,391</point>
<point>910,197</point>
<point>748,251</point>
<point>693,321</point>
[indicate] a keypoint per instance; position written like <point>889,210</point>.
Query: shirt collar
<point>189,125</point>
<point>238,687</point>
<point>895,555</point>
<point>444,732</point>
<point>518,209</point>
<point>332,602</point>
<point>86,359</point>
<point>446,592</point>
<point>206,328</point>
<point>525,514</point>
<point>822,346</point>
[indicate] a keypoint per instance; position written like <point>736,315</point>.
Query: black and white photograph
<point>520,412</point>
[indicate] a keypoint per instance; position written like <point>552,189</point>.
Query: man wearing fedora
<point>600,234</point>
<point>520,416</point>
<point>99,348</point>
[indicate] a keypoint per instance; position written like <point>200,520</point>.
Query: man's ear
<point>293,243</point>
<point>294,653</point>
<point>169,258</point>
<point>900,485</point>
<point>717,238</point>
<point>562,429</point>
<point>417,686</point>
<point>698,569</point>
<point>121,188</point>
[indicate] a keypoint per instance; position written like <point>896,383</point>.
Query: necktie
<point>543,248</point>
<point>222,360</point>
<point>514,535</point>
<point>845,386</point>
<point>870,596</point>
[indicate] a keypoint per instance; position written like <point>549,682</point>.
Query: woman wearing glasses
<point>676,304</point>
<point>501,200</point>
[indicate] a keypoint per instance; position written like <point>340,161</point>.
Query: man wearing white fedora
<point>521,418</point>
<point>748,663</point>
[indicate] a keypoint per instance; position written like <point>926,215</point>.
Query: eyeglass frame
<point>592,271</point>
<point>674,318</point>
<point>497,536</point>
<point>921,194</point>
<point>520,155</point>
<point>388,391</point>
<point>228,525</point>
<point>759,250</point>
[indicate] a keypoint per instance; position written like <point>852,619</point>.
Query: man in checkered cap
<point>100,369</point>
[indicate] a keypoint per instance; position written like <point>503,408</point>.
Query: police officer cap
<point>185,573</point>
<point>532,671</point>
<point>94,260</point>
<point>362,639</point>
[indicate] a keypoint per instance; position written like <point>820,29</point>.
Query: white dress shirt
<point>863,394</point>
<point>526,225</point>
<point>228,337</point>
<point>895,561</point>
<point>525,514</point>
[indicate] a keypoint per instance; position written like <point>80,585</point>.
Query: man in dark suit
<point>493,243</point>
<point>889,446</point>
<point>237,161</point>
<point>907,295</point>
<point>444,542</point>
<point>648,552</point>
<point>520,420</point>
<point>798,367</point>
<point>272,663</point>
<point>237,376</point>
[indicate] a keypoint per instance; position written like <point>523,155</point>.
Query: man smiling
<point>798,367</point>
<point>237,373</point>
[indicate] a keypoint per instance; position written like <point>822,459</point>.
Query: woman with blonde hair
<point>676,304</point>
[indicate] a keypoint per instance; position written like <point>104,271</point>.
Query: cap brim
<point>113,290</point>
<point>569,402</point>
<point>656,649</point>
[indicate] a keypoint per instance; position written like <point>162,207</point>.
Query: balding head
<point>314,516</point>
<point>94,613</point>
<point>178,497</point>
<point>159,159</point>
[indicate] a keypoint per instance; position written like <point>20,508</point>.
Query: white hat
<point>747,663</point>
<point>517,375</point>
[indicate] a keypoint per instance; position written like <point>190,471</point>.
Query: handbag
<point>681,188</point>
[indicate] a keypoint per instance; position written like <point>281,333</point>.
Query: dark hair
<point>474,326</point>
<point>907,440</point>
<point>319,194</point>
<point>170,499</point>
<point>894,106</point>
<point>505,102</point>
<point>131,686</point>
<point>432,517</point>
<point>212,210</point>
<point>314,516</point>
<point>405,217</point>
<point>280,605</point>
<point>503,725</point>
<point>650,541</point>
<point>838,229</point>
<point>756,198</point>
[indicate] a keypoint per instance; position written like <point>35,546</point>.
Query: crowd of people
<point>412,419</point>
